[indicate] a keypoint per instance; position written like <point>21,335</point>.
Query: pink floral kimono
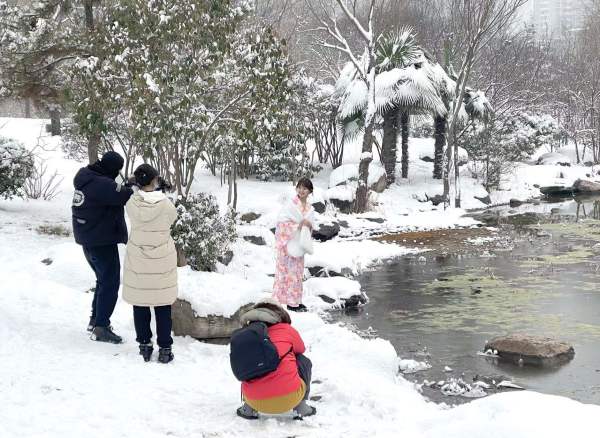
<point>289,271</point>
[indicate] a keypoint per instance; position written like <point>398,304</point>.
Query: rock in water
<point>584,186</point>
<point>531,350</point>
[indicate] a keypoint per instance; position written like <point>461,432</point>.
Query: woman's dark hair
<point>145,174</point>
<point>306,183</point>
<point>284,316</point>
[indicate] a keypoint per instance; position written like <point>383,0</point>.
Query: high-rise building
<point>552,18</point>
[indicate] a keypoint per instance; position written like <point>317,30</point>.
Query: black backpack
<point>252,354</point>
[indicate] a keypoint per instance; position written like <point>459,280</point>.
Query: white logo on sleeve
<point>78,198</point>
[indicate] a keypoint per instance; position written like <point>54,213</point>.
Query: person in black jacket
<point>99,225</point>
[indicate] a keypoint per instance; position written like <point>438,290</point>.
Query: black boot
<point>105,334</point>
<point>165,355</point>
<point>299,308</point>
<point>91,324</point>
<point>146,351</point>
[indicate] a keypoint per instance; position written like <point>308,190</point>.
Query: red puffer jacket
<point>285,378</point>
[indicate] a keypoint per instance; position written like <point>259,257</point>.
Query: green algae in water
<point>587,229</point>
<point>576,255</point>
<point>480,302</point>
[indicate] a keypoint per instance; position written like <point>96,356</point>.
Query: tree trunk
<point>27,108</point>
<point>389,143</point>
<point>362,192</point>
<point>456,177</point>
<point>93,143</point>
<point>440,141</point>
<point>89,14</point>
<point>404,119</point>
<point>55,121</point>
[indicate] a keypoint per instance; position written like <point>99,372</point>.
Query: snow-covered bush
<point>502,140</point>
<point>201,232</point>
<point>16,165</point>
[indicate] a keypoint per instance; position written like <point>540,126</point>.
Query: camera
<point>163,185</point>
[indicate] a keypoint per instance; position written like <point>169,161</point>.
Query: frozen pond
<point>532,273</point>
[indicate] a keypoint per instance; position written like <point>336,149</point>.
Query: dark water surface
<point>532,273</point>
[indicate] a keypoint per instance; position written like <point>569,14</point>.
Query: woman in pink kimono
<point>289,270</point>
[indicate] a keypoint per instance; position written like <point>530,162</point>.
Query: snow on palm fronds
<point>407,87</point>
<point>410,87</point>
<point>476,104</point>
<point>396,50</point>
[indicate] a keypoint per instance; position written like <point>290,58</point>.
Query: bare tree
<point>336,39</point>
<point>476,22</point>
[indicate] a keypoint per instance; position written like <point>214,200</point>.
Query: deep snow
<point>57,383</point>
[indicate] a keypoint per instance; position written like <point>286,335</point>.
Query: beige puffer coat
<point>150,271</point>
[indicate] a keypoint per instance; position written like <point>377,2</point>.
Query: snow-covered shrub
<point>201,232</point>
<point>502,140</point>
<point>16,165</point>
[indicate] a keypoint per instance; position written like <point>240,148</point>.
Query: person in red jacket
<point>287,388</point>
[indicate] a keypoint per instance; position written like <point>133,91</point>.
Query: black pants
<point>305,371</point>
<point>104,261</point>
<point>141,320</point>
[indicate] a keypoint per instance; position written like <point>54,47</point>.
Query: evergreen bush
<point>201,231</point>
<point>16,165</point>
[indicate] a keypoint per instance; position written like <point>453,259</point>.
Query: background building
<point>552,18</point>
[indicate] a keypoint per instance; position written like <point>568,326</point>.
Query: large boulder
<point>348,173</point>
<point>584,186</point>
<point>531,350</point>
<point>187,323</point>
<point>342,198</point>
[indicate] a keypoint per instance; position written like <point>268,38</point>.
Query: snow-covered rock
<point>554,158</point>
<point>347,173</point>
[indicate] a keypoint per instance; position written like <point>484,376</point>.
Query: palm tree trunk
<point>404,119</point>
<point>389,143</point>
<point>440,141</point>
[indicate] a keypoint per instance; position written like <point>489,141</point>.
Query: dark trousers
<point>104,261</point>
<point>305,371</point>
<point>164,323</point>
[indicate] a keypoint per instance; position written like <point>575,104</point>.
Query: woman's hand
<point>305,223</point>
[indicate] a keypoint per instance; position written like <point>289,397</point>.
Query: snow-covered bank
<point>57,383</point>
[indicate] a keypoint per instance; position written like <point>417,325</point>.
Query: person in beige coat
<point>150,269</point>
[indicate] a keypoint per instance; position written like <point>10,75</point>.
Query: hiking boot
<point>165,355</point>
<point>91,324</point>
<point>299,308</point>
<point>146,351</point>
<point>304,410</point>
<point>105,334</point>
<point>247,412</point>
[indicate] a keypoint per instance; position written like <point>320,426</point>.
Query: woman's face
<point>302,192</point>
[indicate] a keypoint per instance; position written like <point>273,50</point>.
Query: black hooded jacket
<point>98,213</point>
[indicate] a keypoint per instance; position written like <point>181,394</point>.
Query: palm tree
<point>402,88</point>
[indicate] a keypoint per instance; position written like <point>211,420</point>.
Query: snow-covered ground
<point>55,382</point>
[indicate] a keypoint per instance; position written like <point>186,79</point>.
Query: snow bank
<point>336,288</point>
<point>356,256</point>
<point>348,172</point>
<point>57,383</point>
